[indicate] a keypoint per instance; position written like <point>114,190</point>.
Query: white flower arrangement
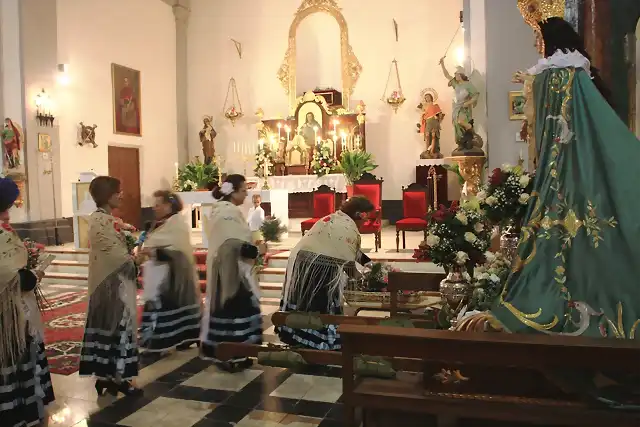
<point>490,280</point>
<point>506,196</point>
<point>323,162</point>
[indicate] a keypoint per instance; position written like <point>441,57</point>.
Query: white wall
<point>139,34</point>
<point>426,28</point>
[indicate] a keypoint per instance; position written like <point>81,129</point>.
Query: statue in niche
<point>12,140</point>
<point>87,135</point>
<point>309,129</point>
<point>430,124</point>
<point>298,152</point>
<point>464,100</point>
<point>207,138</point>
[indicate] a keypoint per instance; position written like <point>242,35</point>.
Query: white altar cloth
<point>304,183</point>
<point>279,200</point>
<point>430,162</point>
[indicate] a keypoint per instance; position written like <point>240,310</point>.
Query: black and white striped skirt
<point>165,325</point>
<point>109,355</point>
<point>239,321</point>
<point>25,389</point>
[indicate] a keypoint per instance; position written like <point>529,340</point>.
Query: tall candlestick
<point>288,130</point>
<point>279,131</point>
<point>177,169</point>
<point>336,122</point>
<point>343,135</point>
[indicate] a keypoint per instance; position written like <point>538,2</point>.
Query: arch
<point>350,66</point>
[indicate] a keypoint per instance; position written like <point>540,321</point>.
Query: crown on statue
<point>535,11</point>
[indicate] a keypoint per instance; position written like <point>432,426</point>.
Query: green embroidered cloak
<point>578,264</point>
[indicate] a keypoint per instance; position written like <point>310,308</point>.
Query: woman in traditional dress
<point>232,306</point>
<point>317,273</point>
<point>465,99</point>
<point>25,381</point>
<point>171,315</point>
<point>109,347</point>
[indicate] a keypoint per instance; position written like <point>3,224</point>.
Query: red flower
<point>7,227</point>
<point>497,177</point>
<point>455,205</point>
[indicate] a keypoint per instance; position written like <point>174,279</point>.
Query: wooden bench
<point>505,377</point>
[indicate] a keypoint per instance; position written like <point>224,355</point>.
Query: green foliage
<point>456,170</point>
<point>197,175</point>
<point>272,229</point>
<point>355,163</point>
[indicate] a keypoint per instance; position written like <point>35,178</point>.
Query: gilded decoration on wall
<point>350,66</point>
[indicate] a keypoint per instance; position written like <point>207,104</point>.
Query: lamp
<point>43,110</point>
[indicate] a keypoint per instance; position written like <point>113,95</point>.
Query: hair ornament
<point>227,188</point>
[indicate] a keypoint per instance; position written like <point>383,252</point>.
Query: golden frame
<point>122,71</point>
<point>351,67</point>
<point>44,142</point>
<point>513,95</point>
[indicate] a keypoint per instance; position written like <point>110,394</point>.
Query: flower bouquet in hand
<point>34,250</point>
<point>36,265</point>
<point>457,236</point>
<point>504,199</point>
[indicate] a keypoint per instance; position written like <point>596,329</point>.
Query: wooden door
<point>124,164</point>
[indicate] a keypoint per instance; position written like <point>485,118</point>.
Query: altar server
<point>317,273</point>
<point>232,305</point>
<point>109,347</point>
<point>25,381</point>
<point>171,315</point>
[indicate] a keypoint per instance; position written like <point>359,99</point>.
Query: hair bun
<point>217,192</point>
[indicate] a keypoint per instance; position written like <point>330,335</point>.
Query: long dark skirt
<point>25,389</point>
<point>166,325</point>
<point>326,338</point>
<point>239,320</point>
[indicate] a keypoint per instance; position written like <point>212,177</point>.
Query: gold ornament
<point>536,11</point>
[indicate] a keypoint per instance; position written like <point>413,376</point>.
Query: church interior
<point>412,105</point>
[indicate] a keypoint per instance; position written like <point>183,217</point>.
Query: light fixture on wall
<point>43,109</point>
<point>393,95</point>
<point>63,74</point>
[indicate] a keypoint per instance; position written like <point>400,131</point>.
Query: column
<point>597,36</point>
<point>181,12</point>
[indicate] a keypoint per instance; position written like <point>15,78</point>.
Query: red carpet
<point>64,328</point>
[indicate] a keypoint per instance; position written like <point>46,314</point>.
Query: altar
<point>274,202</point>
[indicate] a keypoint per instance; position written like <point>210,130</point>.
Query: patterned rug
<point>64,322</point>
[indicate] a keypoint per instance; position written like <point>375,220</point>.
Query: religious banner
<point>126,100</point>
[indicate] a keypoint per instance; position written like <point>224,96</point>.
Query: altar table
<point>304,183</point>
<point>278,201</point>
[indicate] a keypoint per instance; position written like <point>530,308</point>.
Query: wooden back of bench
<point>405,281</point>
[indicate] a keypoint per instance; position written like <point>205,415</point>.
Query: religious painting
<point>44,142</point>
<point>126,100</point>
<point>516,105</point>
<point>310,123</point>
<point>12,141</point>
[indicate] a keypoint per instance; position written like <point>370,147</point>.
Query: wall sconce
<point>63,74</point>
<point>43,110</point>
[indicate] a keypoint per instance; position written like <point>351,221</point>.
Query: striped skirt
<point>165,325</point>
<point>238,321</point>
<point>326,338</point>
<point>25,389</point>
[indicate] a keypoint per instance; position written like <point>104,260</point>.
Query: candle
<point>279,131</point>
<point>288,130</point>
<point>260,144</point>
<point>336,122</point>
<point>177,170</point>
<point>521,154</point>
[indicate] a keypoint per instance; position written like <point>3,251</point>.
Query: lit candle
<point>274,143</point>
<point>335,141</point>
<point>288,130</point>
<point>177,170</point>
<point>343,134</point>
<point>336,122</point>
<point>279,131</point>
<point>260,144</point>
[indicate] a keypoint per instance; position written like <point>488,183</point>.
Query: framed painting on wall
<point>516,105</point>
<point>44,142</point>
<point>127,119</point>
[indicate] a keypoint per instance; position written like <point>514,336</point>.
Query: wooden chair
<point>324,203</point>
<point>371,187</point>
<point>415,206</point>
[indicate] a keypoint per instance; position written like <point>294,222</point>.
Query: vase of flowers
<point>457,240</point>
<point>504,200</point>
<point>264,155</point>
<point>490,280</point>
<point>323,162</point>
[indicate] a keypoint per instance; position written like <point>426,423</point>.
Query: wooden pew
<point>508,377</point>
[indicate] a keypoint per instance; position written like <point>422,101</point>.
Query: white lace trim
<point>561,59</point>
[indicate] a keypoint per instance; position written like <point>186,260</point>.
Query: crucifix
<point>435,177</point>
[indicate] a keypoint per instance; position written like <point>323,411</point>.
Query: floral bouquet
<point>504,200</point>
<point>262,156</point>
<point>127,230</point>
<point>490,280</point>
<point>34,250</point>
<point>323,162</point>
<point>457,236</point>
<point>376,277</point>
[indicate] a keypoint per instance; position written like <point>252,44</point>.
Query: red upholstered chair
<point>324,203</point>
<point>415,206</point>
<point>371,187</point>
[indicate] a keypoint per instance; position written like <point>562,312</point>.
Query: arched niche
<point>350,66</point>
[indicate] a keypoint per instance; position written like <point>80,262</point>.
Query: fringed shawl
<point>13,257</point>
<point>335,240</point>
<point>174,237</point>
<point>112,273</point>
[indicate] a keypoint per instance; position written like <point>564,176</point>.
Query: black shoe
<point>102,385</point>
<point>125,388</point>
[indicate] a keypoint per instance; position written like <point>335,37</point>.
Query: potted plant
<point>272,229</point>
<point>354,164</point>
<point>196,176</point>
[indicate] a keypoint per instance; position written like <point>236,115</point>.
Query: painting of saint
<point>310,129</point>
<point>126,100</point>
<point>12,140</point>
